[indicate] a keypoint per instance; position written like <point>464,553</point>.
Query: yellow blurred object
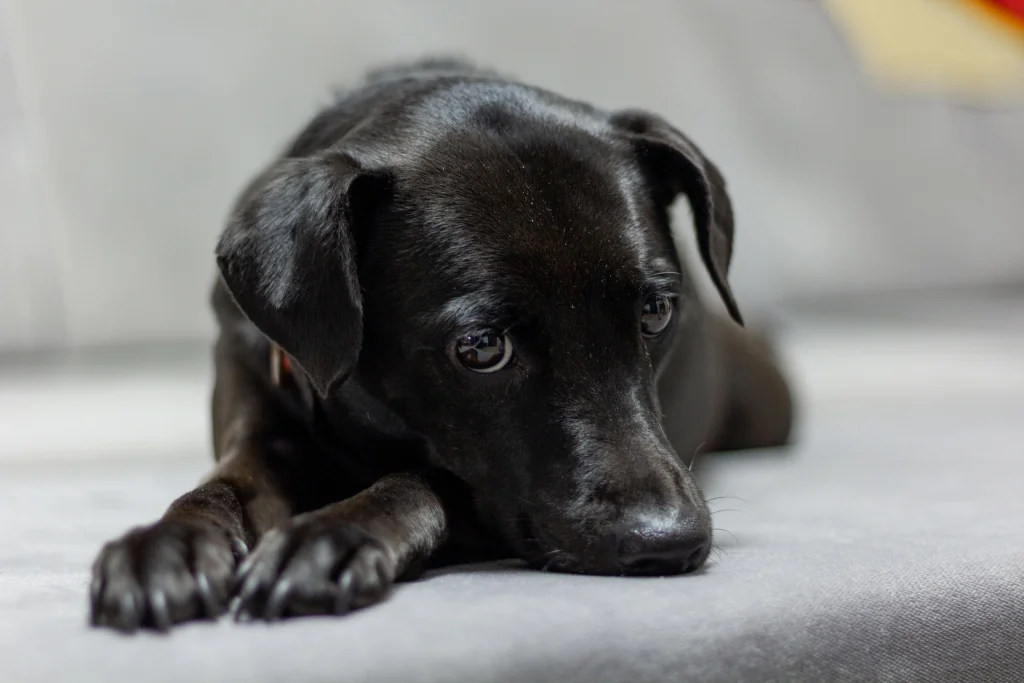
<point>940,46</point>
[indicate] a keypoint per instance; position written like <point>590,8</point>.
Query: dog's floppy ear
<point>674,166</point>
<point>288,257</point>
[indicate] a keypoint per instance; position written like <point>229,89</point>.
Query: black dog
<point>443,317</point>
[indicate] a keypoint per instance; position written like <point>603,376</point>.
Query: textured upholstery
<point>887,546</point>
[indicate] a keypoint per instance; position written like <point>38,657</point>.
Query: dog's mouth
<point>543,552</point>
<point>540,554</point>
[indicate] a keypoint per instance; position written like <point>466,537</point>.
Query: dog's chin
<point>566,563</point>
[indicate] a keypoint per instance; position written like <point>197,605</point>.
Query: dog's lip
<point>526,535</point>
<point>533,546</point>
<point>555,561</point>
<point>541,552</point>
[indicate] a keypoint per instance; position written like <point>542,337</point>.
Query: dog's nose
<point>660,544</point>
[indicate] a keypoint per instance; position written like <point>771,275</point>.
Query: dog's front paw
<point>163,574</point>
<point>312,565</point>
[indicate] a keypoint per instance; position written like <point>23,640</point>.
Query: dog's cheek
<point>409,385</point>
<point>487,452</point>
<point>471,427</point>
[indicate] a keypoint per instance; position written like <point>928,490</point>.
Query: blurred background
<point>128,126</point>
<point>874,150</point>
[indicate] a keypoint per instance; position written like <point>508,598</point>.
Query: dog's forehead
<point>558,208</point>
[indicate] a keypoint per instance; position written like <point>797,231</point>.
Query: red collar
<point>280,365</point>
<point>284,377</point>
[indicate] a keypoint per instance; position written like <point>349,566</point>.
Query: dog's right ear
<point>288,257</point>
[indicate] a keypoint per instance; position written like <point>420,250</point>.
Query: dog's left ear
<point>288,257</point>
<point>674,165</point>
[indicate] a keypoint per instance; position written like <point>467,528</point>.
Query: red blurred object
<point>1008,12</point>
<point>1015,7</point>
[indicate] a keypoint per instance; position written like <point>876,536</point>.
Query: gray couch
<point>888,545</point>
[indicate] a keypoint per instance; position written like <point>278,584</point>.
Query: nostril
<point>677,550</point>
<point>649,566</point>
<point>664,564</point>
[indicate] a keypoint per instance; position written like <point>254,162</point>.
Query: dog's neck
<point>352,409</point>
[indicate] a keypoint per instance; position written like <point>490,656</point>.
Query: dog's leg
<point>758,403</point>
<point>348,554</point>
<point>182,567</point>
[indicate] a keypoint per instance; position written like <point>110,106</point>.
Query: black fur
<point>434,202</point>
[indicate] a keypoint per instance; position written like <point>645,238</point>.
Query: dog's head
<point>500,274</point>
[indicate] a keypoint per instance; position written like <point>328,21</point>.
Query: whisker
<point>726,531</point>
<point>527,501</point>
<point>696,452</point>
<point>547,565</point>
<point>715,512</point>
<point>742,500</point>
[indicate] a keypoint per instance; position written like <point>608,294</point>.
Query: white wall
<point>128,125</point>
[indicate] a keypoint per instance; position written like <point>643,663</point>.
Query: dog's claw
<point>211,604</point>
<point>235,609</point>
<point>380,572</point>
<point>158,608</point>
<point>156,576</point>
<point>343,600</point>
<point>239,549</point>
<point>240,605</point>
<point>243,571</point>
<point>128,616</point>
<point>238,611</point>
<point>278,600</point>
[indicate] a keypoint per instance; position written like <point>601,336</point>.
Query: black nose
<point>660,544</point>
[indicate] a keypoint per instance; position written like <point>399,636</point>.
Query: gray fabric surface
<point>888,546</point>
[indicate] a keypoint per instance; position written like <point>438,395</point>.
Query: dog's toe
<point>161,575</point>
<point>312,566</point>
<point>364,581</point>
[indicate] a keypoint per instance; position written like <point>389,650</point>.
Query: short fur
<point>439,200</point>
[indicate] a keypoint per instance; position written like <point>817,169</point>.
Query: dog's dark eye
<point>485,352</point>
<point>656,315</point>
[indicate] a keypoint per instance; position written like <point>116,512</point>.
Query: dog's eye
<point>656,315</point>
<point>485,352</point>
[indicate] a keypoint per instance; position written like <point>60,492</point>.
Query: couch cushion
<point>887,546</point>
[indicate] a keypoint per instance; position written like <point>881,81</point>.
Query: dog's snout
<point>662,543</point>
